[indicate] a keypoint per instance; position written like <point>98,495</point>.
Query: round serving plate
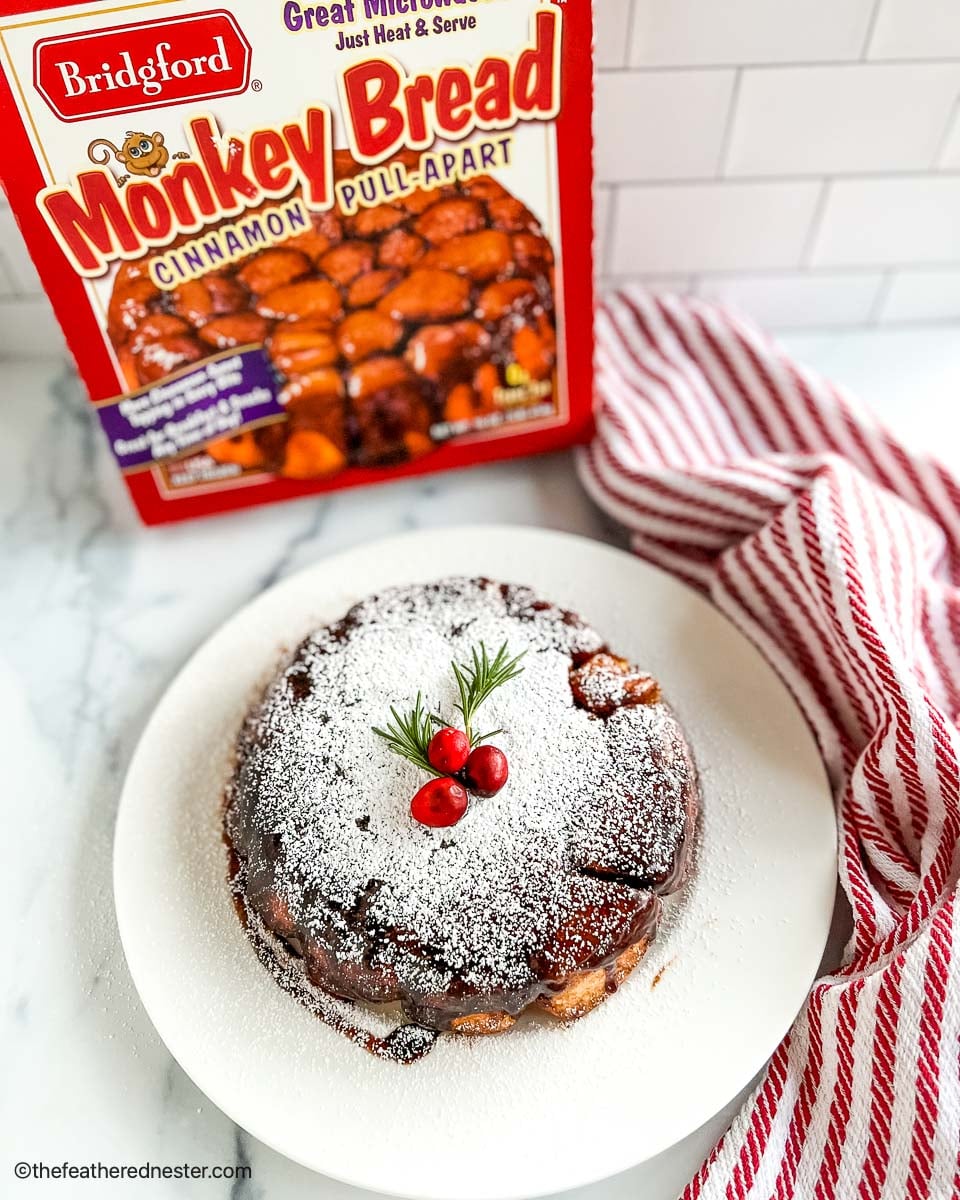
<point>545,1107</point>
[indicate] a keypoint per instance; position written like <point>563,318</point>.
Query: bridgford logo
<point>149,77</point>
<point>130,68</point>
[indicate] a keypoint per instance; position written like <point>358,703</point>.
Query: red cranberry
<point>448,751</point>
<point>486,770</point>
<point>439,803</point>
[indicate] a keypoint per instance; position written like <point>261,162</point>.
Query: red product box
<point>300,247</point>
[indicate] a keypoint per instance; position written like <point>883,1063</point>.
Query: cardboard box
<point>302,247</point>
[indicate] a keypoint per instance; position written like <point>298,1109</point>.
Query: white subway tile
<point>661,124</point>
<point>612,21</point>
<point>893,221</point>
<point>712,226</point>
<point>29,329</point>
<point>841,119</point>
<point>23,273</point>
<point>916,29</point>
<point>711,32</point>
<point>922,295</point>
<point>798,300</point>
<point>602,200</point>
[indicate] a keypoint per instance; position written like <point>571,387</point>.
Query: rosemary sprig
<point>480,677</point>
<point>409,734</point>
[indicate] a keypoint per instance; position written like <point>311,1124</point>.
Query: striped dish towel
<point>837,552</point>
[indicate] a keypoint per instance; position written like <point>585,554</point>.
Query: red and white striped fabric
<point>837,552</point>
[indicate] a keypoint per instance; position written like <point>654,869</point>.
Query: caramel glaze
<point>407,1044</point>
<point>279,942</point>
<point>426,1017</point>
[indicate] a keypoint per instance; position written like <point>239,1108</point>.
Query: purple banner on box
<point>219,398</point>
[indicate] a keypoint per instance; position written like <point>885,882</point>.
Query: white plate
<point>544,1108</point>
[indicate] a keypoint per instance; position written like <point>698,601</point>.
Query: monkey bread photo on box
<point>300,247</point>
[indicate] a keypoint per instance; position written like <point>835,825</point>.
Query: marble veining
<point>96,616</point>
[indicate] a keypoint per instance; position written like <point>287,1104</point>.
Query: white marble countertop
<point>96,616</point>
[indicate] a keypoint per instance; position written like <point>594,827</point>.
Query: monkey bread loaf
<point>546,893</point>
<point>389,329</point>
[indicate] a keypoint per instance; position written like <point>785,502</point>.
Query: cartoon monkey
<point>141,153</point>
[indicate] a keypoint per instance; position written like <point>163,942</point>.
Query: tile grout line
<point>761,65</point>
<point>630,32</point>
<point>820,272</point>
<point>880,299</point>
<point>952,121</point>
<point>727,141</point>
<point>871,30</point>
<point>841,325</point>
<point>816,224</point>
<point>786,177</point>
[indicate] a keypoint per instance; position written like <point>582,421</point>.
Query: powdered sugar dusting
<point>604,689</point>
<point>740,944</point>
<point>404,1043</point>
<point>594,819</point>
